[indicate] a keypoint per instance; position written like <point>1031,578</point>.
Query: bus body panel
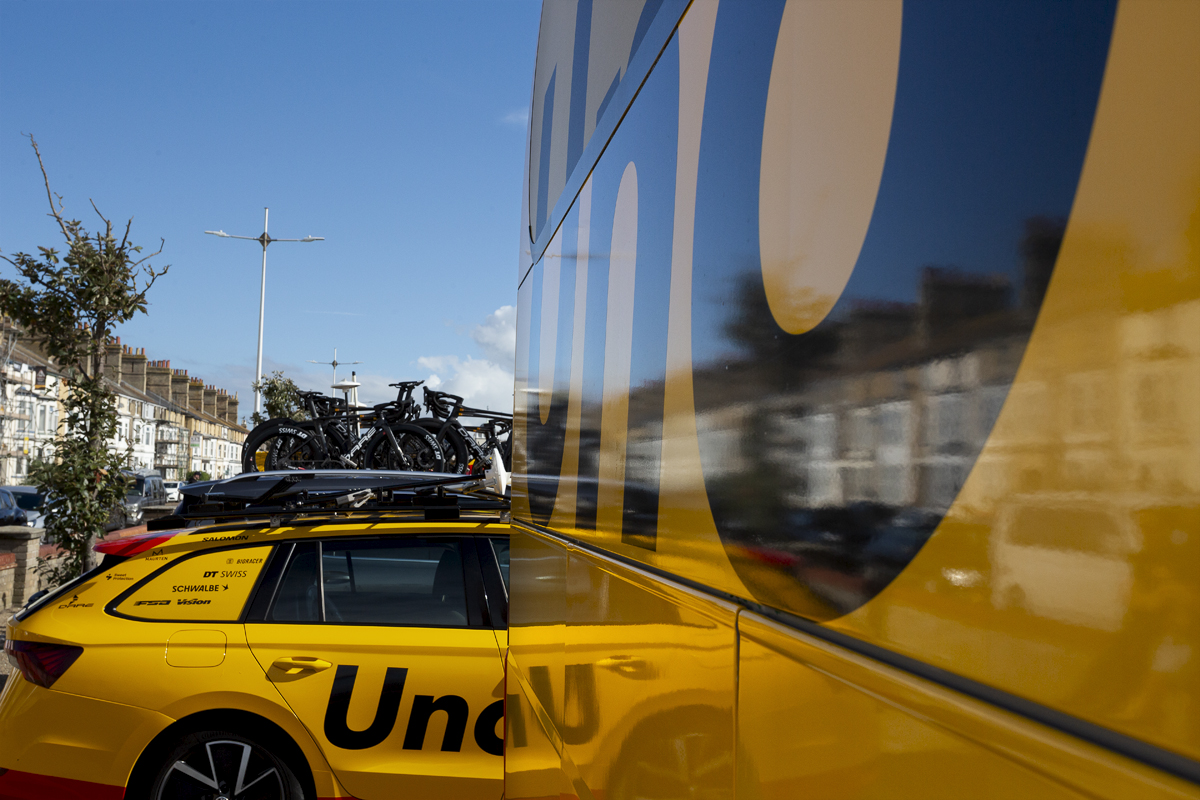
<point>896,342</point>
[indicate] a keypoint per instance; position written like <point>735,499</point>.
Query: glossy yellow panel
<point>32,738</point>
<point>818,721</point>
<point>1068,569</point>
<point>394,709</point>
<point>636,700</point>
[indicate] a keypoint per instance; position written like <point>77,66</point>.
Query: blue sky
<point>397,130</point>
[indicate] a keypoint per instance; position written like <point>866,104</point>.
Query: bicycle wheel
<point>258,445</point>
<point>419,451</point>
<point>454,450</point>
<point>295,449</point>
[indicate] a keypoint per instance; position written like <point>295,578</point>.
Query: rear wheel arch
<point>253,726</point>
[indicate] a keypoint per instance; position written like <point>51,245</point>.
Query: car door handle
<point>294,665</point>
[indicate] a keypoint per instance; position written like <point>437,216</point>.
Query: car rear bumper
<point>62,745</point>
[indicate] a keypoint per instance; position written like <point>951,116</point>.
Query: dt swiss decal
<point>423,708</point>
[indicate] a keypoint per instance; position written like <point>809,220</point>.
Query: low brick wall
<point>9,580</point>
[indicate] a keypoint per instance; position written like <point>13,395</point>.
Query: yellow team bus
<point>858,402</point>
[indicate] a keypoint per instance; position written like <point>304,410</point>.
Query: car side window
<point>394,582</point>
<point>405,582</point>
<point>299,596</point>
<point>500,548</point>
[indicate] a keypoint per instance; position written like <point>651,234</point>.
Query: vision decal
<point>456,709</point>
<point>869,262</point>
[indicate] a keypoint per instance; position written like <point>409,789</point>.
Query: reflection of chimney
<point>133,367</point>
<point>112,360</point>
<point>1039,251</point>
<point>158,378</point>
<point>874,324</point>
<point>950,297</point>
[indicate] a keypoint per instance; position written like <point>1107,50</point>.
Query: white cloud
<point>479,382</point>
<point>497,336</point>
<point>518,118</point>
<point>482,382</point>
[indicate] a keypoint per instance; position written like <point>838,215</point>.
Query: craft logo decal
<point>74,603</point>
<point>423,707</point>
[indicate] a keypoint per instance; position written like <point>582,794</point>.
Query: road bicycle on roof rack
<point>335,437</point>
<point>465,449</point>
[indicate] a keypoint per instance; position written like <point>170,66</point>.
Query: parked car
<point>10,512</point>
<point>30,501</point>
<point>172,490</point>
<point>145,489</point>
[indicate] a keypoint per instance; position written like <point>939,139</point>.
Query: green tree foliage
<point>70,304</point>
<point>281,398</point>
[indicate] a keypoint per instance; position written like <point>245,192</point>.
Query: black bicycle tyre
<point>455,453</point>
<point>421,450</point>
<point>265,438</point>
<point>300,449</point>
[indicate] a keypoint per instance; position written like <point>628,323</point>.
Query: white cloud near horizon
<point>518,118</point>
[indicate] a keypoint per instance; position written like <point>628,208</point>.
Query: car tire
<point>211,762</point>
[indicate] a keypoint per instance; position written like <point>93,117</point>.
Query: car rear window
<point>212,586</point>
<point>28,500</point>
<point>375,582</point>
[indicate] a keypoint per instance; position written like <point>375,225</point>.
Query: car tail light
<point>41,663</point>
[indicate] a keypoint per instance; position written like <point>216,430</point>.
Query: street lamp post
<point>264,240</point>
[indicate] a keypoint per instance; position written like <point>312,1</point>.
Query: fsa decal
<point>423,708</point>
<point>153,603</point>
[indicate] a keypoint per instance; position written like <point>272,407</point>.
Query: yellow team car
<point>308,635</point>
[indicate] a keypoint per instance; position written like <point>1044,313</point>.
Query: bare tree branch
<point>50,195</point>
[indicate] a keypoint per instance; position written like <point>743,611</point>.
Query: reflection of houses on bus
<point>905,397</point>
<point>914,392</point>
